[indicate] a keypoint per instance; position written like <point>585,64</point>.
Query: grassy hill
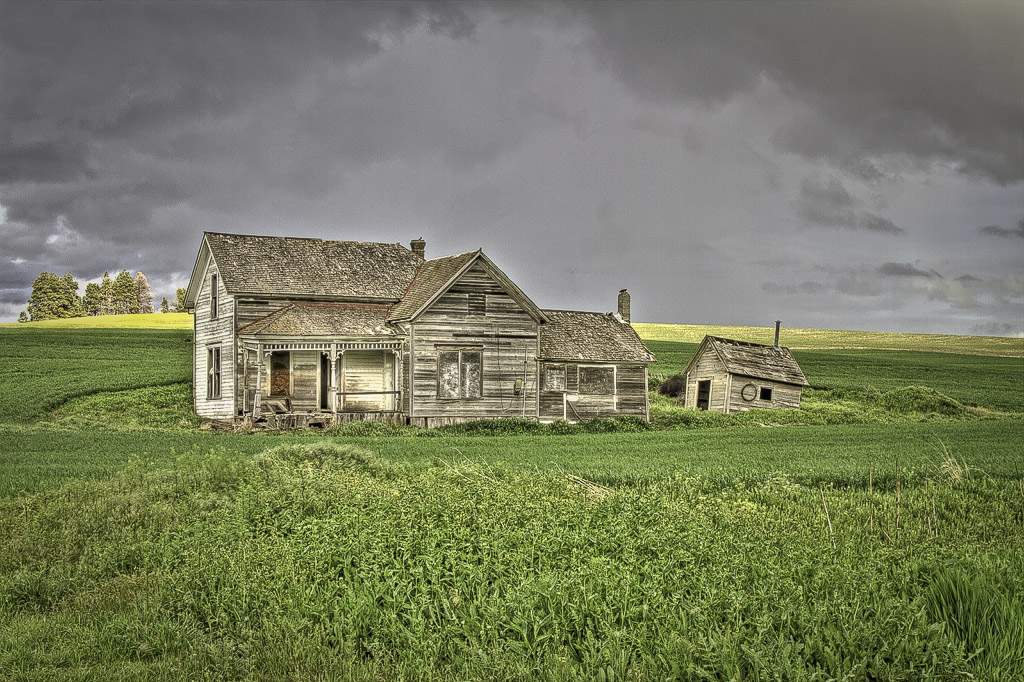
<point>135,546</point>
<point>149,321</point>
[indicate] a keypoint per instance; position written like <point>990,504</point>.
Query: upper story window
<point>460,373</point>
<point>213,297</point>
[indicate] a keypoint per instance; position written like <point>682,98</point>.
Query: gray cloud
<point>999,231</point>
<point>905,270</point>
<point>831,205</point>
<point>873,78</point>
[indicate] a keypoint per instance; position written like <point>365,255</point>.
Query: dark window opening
<point>597,380</point>
<point>213,297</point>
<point>280,373</point>
<point>213,373</point>
<point>704,394</point>
<point>460,374</point>
<point>766,393</point>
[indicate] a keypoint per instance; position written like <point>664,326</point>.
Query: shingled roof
<point>757,360</point>
<point>323,319</point>
<point>590,337</point>
<point>432,276</point>
<point>302,267</point>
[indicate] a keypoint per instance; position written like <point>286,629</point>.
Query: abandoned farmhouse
<point>299,331</point>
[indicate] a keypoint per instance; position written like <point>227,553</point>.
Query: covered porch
<point>325,382</point>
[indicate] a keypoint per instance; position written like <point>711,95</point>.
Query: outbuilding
<point>725,375</point>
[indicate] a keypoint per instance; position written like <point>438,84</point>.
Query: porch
<point>321,382</point>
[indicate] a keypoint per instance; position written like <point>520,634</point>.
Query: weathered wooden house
<point>734,376</point>
<point>309,331</point>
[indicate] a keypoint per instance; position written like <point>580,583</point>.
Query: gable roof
<point>431,278</point>
<point>437,275</point>
<point>595,337</point>
<point>753,360</point>
<point>323,319</point>
<point>314,268</point>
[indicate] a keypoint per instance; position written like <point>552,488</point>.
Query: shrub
<point>674,386</point>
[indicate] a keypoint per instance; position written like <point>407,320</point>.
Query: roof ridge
<point>310,239</point>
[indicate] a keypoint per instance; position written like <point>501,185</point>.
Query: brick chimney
<point>624,305</point>
<point>419,247</point>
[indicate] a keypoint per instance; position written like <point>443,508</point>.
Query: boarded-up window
<point>459,374</point>
<point>477,304</point>
<point>597,380</point>
<point>213,372</point>
<point>213,297</point>
<point>554,377</point>
<point>280,373</point>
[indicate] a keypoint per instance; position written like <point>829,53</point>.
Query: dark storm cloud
<point>874,78</point>
<point>905,270</point>
<point>831,205</point>
<point>1000,231</point>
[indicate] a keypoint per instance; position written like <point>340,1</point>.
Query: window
<point>597,380</point>
<point>213,297</point>
<point>213,372</point>
<point>766,393</point>
<point>554,377</point>
<point>460,374</point>
<point>477,304</point>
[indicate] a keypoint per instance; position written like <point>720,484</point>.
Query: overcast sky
<point>835,165</point>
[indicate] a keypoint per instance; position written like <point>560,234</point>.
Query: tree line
<point>56,297</point>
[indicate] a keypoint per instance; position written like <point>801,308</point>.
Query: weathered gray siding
<point>783,395</point>
<point>210,333</point>
<point>499,327</point>
<point>709,366</point>
<point>629,396</point>
<point>250,310</point>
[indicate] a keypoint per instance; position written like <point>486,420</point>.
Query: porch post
<point>258,398</point>
<point>333,379</point>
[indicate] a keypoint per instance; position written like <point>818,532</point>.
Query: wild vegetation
<point>881,539</point>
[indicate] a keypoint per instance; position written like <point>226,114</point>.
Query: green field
<point>879,534</point>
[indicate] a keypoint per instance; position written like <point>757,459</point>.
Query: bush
<point>674,386</point>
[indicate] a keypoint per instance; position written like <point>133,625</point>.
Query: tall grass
<point>325,560</point>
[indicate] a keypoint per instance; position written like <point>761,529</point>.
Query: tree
<point>23,317</point>
<point>164,307</point>
<point>93,299</point>
<point>75,309</point>
<point>144,296</point>
<point>124,294</point>
<point>53,297</point>
<point>179,302</point>
<point>106,296</point>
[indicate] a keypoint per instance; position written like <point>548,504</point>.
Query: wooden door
<point>364,382</point>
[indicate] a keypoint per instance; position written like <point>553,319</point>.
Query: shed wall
<point>709,366</point>
<point>784,396</point>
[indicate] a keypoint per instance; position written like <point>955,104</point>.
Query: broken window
<point>280,373</point>
<point>766,393</point>
<point>597,380</point>
<point>460,373</point>
<point>213,372</point>
<point>554,377</point>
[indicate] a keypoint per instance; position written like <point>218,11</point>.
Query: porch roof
<point>324,319</point>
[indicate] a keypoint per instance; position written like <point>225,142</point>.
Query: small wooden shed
<point>727,376</point>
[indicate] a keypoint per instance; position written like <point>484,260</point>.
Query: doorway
<point>704,394</point>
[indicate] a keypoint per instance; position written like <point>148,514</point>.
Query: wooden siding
<point>505,333</point>
<point>250,310</point>
<point>305,376</point>
<point>784,396</point>
<point>213,332</point>
<point>629,396</point>
<point>366,371</point>
<point>708,367</point>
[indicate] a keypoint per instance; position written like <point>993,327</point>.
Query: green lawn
<point>136,546</point>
